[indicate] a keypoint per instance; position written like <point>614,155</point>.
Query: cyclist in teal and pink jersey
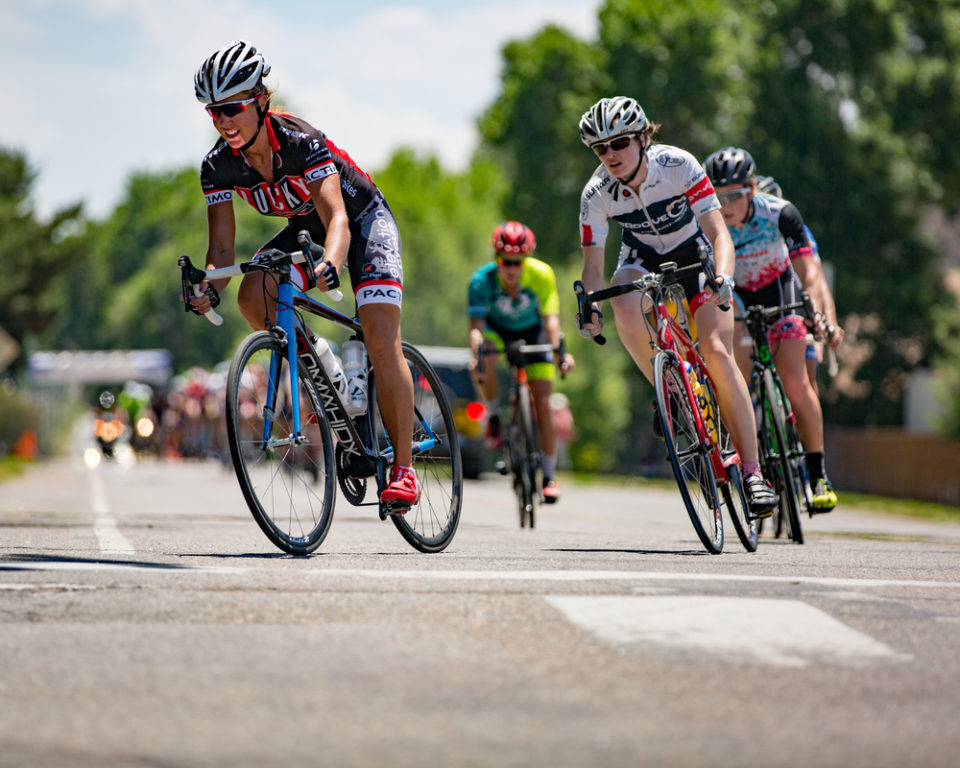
<point>834,332</point>
<point>773,262</point>
<point>283,166</point>
<point>515,298</point>
<point>667,208</point>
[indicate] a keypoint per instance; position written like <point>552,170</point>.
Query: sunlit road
<point>146,621</point>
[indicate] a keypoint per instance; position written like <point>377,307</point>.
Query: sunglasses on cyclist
<point>616,145</point>
<point>510,262</point>
<point>733,195</point>
<point>230,108</point>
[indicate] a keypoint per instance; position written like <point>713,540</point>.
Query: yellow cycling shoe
<point>824,497</point>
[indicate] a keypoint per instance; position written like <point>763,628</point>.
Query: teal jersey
<point>488,299</point>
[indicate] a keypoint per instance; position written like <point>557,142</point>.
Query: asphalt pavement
<point>146,621</point>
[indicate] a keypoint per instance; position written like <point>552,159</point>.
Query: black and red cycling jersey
<point>301,154</point>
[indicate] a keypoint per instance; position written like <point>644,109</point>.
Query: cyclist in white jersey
<point>666,207</point>
<point>773,261</point>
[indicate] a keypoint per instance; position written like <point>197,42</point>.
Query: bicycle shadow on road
<point>23,563</point>
<point>617,551</point>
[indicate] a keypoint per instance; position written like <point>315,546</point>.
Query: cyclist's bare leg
<point>742,350</point>
<point>541,389</point>
<point>715,329</point>
<point>255,303</point>
<point>632,326</point>
<point>381,335</point>
<point>790,359</point>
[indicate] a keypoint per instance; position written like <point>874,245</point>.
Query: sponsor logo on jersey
<point>669,161</point>
<point>380,292</point>
<point>321,171</point>
<point>586,234</point>
<point>219,196</point>
<point>700,190</point>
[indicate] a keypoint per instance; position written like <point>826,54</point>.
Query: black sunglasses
<point>620,143</point>
<point>511,262</point>
<point>230,108</point>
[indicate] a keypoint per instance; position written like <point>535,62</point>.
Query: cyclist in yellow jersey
<point>515,298</point>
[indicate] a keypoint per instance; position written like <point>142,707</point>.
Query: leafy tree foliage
<point>33,254</point>
<point>848,103</point>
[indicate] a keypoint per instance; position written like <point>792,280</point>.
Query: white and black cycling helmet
<point>729,166</point>
<point>768,185</point>
<point>234,69</point>
<point>612,117</point>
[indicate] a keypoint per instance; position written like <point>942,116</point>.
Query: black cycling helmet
<point>731,165</point>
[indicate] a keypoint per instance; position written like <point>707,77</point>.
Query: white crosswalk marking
<point>786,633</point>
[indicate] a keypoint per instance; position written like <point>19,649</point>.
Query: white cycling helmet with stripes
<point>235,68</point>
<point>612,117</point>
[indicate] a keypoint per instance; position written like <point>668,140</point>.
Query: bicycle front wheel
<point>784,478</point>
<point>430,524</point>
<point>688,454</point>
<point>287,480</point>
<point>528,446</point>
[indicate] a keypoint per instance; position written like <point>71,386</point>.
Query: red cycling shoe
<point>551,492</point>
<point>403,490</point>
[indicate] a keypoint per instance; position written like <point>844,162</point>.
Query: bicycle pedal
<point>393,508</point>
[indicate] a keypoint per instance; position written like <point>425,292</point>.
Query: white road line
<point>109,538</point>
<point>546,576</point>
<point>783,633</point>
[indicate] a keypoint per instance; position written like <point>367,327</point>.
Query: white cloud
<point>114,93</point>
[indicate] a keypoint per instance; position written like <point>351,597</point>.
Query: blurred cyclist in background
<point>511,299</point>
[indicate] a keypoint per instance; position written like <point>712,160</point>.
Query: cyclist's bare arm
<point>717,233</point>
<point>829,308</point>
<point>221,230</point>
<point>328,201</point>
<point>477,326</point>
<point>555,336</point>
<point>592,279</point>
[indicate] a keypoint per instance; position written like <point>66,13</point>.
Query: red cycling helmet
<point>513,237</point>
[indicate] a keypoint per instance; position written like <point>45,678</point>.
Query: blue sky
<point>102,88</point>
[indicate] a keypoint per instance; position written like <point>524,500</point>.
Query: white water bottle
<point>355,367</point>
<point>331,365</point>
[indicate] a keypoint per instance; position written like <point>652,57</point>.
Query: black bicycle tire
<point>519,460</point>
<point>798,458</point>
<point>778,417</point>
<point>746,525</point>
<point>425,513</point>
<point>530,452</point>
<point>257,486</point>
<point>665,365</point>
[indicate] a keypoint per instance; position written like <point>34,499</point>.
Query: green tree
<point>34,255</point>
<point>445,221</point>
<point>531,129</point>
<point>822,93</point>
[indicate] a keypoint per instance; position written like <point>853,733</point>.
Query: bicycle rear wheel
<point>430,524</point>
<point>784,476</point>
<point>688,455</point>
<point>746,524</point>
<point>289,484</point>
